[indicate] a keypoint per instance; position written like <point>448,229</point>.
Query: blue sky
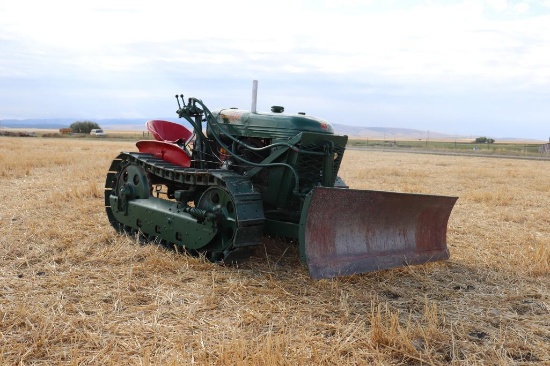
<point>458,67</point>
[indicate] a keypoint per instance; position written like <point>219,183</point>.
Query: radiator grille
<point>310,167</point>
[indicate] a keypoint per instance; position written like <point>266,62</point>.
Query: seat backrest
<point>168,131</point>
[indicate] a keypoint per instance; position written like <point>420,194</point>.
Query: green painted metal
<point>165,220</point>
<point>238,122</point>
<point>282,229</point>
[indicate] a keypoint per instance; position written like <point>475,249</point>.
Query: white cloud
<point>422,48</point>
<point>427,42</point>
<point>498,5</point>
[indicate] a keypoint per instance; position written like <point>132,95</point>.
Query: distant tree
<point>484,140</point>
<point>83,126</point>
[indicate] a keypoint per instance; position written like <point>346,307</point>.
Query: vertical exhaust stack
<point>254,95</point>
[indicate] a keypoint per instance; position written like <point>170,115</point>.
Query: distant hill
<point>138,124</point>
<point>55,123</point>
<point>37,123</point>
<point>389,133</point>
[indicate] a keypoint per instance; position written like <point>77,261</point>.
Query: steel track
<point>248,203</point>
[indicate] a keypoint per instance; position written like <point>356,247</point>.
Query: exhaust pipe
<point>254,95</point>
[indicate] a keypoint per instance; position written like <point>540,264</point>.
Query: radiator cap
<point>277,109</point>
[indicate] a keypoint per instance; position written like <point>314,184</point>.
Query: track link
<point>215,212</point>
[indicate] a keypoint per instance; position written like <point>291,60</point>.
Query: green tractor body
<point>219,191</point>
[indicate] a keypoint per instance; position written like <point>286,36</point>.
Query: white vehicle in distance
<point>97,132</point>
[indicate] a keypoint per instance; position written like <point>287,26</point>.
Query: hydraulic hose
<point>212,121</point>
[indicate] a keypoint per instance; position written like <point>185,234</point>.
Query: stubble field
<point>74,292</point>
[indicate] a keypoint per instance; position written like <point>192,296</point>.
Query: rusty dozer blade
<point>348,231</point>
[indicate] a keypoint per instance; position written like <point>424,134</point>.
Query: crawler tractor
<point>240,175</point>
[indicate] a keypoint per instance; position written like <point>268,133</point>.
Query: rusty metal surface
<point>348,231</point>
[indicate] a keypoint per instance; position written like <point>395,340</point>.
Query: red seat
<point>166,151</point>
<point>168,131</point>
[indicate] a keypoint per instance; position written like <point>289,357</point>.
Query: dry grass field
<point>73,292</point>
